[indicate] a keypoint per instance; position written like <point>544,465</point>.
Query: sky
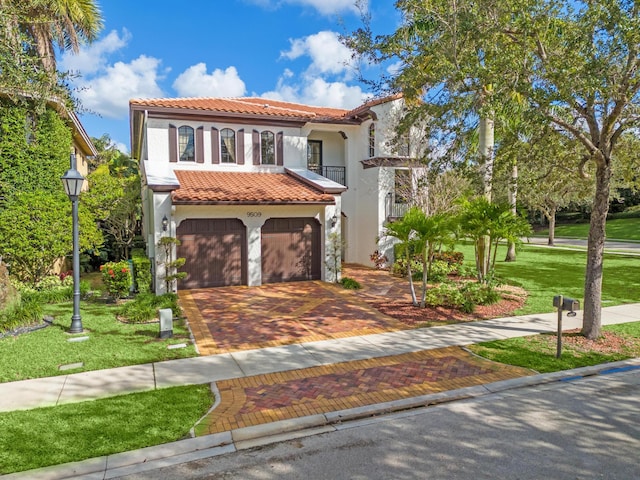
<point>279,49</point>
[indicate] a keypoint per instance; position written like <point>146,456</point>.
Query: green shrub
<point>464,296</point>
<point>19,314</point>
<point>116,276</point>
<point>445,295</point>
<point>144,307</point>
<point>350,283</point>
<point>440,270</point>
<point>141,271</point>
<point>399,268</point>
<point>479,294</point>
<point>451,257</point>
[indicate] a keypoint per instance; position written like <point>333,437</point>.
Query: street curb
<point>181,451</point>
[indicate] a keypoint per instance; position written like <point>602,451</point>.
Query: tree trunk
<point>552,226</point>
<point>513,200</point>
<point>485,145</point>
<point>595,252</point>
<point>414,300</point>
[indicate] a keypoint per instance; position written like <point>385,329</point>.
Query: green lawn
<point>538,352</point>
<point>545,272</point>
<point>73,432</point>
<point>617,229</point>
<point>110,344</point>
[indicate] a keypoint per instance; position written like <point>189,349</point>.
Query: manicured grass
<point>110,344</point>
<point>545,272</point>
<point>72,432</point>
<point>617,229</point>
<point>538,352</point>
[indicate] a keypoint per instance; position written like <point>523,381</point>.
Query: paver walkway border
<point>49,391</point>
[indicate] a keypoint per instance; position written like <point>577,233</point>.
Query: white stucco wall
<point>294,146</point>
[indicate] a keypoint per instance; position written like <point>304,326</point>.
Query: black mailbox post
<point>564,304</point>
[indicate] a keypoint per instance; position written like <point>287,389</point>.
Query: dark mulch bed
<point>401,309</point>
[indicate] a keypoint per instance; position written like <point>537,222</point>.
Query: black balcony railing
<point>337,174</point>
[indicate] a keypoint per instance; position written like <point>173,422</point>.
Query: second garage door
<point>291,250</point>
<point>215,252</point>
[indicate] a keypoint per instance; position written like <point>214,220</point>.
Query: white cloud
<point>104,88</point>
<point>325,7</point>
<point>329,7</point>
<point>93,58</point>
<point>328,55</point>
<point>196,82</point>
<point>108,93</point>
<point>319,92</point>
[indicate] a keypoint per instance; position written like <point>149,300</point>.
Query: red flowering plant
<point>116,276</point>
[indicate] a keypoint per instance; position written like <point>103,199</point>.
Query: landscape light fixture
<point>73,181</point>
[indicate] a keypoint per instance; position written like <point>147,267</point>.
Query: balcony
<point>394,208</point>
<point>336,174</point>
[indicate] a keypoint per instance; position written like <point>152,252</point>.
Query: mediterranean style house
<point>260,191</point>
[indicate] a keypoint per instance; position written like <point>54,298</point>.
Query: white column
<point>254,250</point>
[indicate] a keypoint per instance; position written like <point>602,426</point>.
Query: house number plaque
<point>254,214</point>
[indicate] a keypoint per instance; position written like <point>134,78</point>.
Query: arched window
<point>186,148</point>
<point>372,140</point>
<point>267,148</point>
<point>228,145</point>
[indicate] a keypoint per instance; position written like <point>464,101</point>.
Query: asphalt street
<point>588,428</point>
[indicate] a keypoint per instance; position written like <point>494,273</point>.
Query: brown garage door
<point>290,250</point>
<point>215,252</point>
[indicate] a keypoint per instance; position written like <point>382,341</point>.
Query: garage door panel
<point>215,252</point>
<point>290,250</point>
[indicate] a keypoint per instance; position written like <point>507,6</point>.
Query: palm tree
<point>486,224</point>
<point>430,232</point>
<point>67,23</point>
<point>402,230</point>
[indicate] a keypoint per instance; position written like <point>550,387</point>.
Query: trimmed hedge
<point>141,271</point>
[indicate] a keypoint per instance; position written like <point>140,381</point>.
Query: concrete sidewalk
<point>50,391</point>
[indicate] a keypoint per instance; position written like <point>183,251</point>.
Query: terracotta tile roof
<point>203,187</point>
<point>249,105</point>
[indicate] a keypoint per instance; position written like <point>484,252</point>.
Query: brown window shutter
<point>200,145</point>
<point>256,147</point>
<point>215,146</point>
<point>240,147</point>
<point>173,143</point>
<point>279,149</point>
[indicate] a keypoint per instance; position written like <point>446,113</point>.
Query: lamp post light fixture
<point>72,181</point>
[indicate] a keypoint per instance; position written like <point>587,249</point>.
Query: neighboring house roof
<point>80,137</point>
<point>226,188</point>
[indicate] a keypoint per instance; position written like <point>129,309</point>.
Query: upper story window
<point>267,148</point>
<point>372,140</point>
<point>314,154</point>
<point>186,144</point>
<point>403,145</point>
<point>227,146</point>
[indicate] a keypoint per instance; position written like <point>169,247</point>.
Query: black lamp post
<point>72,181</point>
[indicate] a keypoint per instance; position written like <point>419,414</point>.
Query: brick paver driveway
<point>239,318</point>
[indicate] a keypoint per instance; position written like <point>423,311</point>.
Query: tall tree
<point>47,23</point>
<point>574,62</point>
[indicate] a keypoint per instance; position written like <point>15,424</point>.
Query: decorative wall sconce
<point>165,223</point>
